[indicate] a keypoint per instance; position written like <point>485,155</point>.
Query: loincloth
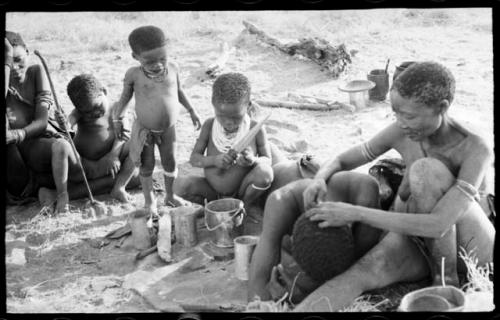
<point>140,137</point>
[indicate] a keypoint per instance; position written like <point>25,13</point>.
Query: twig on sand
<point>28,289</point>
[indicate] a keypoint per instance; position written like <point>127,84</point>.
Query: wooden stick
<point>240,145</point>
<point>299,106</point>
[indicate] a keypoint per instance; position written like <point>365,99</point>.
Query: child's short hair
<point>426,82</point>
<point>230,88</point>
<point>146,38</point>
<point>83,89</point>
<point>322,253</point>
<point>15,39</point>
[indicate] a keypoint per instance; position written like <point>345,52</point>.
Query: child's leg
<point>126,173</point>
<point>146,176</point>
<point>255,183</point>
<point>48,196</point>
<point>167,154</point>
<point>430,179</point>
<point>194,189</point>
<point>63,162</point>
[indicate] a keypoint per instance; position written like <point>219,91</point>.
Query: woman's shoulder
<point>471,135</point>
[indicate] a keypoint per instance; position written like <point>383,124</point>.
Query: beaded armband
<point>367,151</point>
<point>466,188</point>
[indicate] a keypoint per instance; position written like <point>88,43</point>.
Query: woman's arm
<point>361,154</point>
<point>43,102</point>
<point>448,210</point>
<point>315,193</point>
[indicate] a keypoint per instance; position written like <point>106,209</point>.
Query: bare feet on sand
<point>49,198</point>
<point>176,201</point>
<point>120,194</point>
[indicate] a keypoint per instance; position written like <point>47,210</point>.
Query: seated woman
<point>38,155</point>
<point>435,211</point>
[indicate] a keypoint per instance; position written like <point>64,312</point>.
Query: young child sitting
<point>245,176</point>
<point>101,152</point>
<point>158,96</point>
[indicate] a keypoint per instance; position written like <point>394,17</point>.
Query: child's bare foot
<point>62,205</point>
<point>47,197</point>
<point>176,201</point>
<point>151,207</point>
<point>120,194</point>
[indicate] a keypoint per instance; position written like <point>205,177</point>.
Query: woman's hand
<point>315,193</point>
<point>332,214</point>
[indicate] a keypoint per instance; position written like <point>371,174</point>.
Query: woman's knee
<point>429,176</point>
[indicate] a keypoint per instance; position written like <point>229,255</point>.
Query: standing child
<point>245,176</point>
<point>158,95</point>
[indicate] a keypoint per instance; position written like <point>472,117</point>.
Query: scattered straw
<point>364,304</point>
<point>268,306</point>
<point>479,277</point>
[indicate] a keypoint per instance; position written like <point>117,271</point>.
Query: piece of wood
<point>332,58</point>
<point>299,106</point>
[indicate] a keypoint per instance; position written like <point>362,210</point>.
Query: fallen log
<point>295,105</point>
<point>334,105</point>
<point>332,58</point>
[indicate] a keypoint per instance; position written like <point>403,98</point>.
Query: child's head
<point>88,95</point>
<point>322,253</point>
<point>420,97</point>
<point>148,44</point>
<point>20,55</point>
<point>231,98</point>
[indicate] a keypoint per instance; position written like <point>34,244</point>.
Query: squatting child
<point>246,175</point>
<point>158,96</point>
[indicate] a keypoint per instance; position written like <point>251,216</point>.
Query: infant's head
<point>231,99</point>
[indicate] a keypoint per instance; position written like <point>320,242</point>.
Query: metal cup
<point>243,250</point>
<point>381,79</point>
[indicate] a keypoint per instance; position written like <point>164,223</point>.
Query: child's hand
<point>196,119</point>
<point>121,133</point>
<point>73,118</point>
<point>111,165</point>
<point>224,161</point>
<point>247,158</point>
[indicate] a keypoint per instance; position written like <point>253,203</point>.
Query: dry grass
<point>108,31</point>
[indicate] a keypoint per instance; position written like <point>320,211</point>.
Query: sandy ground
<point>58,264</point>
